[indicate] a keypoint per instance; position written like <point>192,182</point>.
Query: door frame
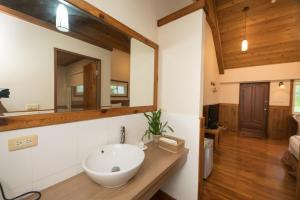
<point>267,115</point>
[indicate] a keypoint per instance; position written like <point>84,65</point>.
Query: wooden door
<point>90,86</point>
<point>254,105</point>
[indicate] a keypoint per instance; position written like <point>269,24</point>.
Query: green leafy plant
<point>155,126</point>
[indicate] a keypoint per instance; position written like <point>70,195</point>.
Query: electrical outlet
<point>22,142</point>
<point>32,107</point>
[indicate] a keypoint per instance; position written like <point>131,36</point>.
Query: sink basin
<point>114,165</point>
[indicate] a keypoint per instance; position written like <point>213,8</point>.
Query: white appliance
<point>208,157</point>
<point>297,118</point>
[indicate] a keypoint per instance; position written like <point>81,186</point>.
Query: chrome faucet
<point>123,134</point>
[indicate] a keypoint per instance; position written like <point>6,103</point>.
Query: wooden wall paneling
<point>228,116</point>
<point>212,20</point>
<point>201,158</point>
<point>272,32</point>
<point>278,125</point>
<point>182,12</point>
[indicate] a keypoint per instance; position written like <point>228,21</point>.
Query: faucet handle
<point>122,141</point>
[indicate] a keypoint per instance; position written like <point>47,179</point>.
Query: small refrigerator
<point>208,157</point>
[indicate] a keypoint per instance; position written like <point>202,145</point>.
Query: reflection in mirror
<point>90,66</point>
<point>77,80</point>
<point>141,74</point>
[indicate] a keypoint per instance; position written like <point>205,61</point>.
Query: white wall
<point>27,65</point>
<point>211,70</point>
<point>229,93</point>
<point>166,7</point>
<point>141,74</point>
<point>280,96</point>
<point>120,65</point>
<point>284,71</point>
<point>229,82</point>
<point>180,63</point>
<point>140,15</point>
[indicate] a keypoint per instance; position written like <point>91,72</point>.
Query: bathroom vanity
<point>149,179</point>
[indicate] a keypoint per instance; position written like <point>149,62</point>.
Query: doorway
<point>77,82</point>
<point>253,111</point>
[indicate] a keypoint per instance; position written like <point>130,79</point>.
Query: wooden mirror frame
<point>37,120</point>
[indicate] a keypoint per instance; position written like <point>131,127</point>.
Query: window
<point>78,90</point>
<point>296,107</point>
<point>119,89</point>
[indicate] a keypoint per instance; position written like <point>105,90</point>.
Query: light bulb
<point>62,18</point>
<point>245,45</point>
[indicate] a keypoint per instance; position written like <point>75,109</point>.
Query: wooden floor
<point>249,168</point>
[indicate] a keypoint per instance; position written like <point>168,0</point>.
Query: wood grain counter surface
<point>158,166</point>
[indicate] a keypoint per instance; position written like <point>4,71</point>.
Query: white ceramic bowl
<point>114,165</point>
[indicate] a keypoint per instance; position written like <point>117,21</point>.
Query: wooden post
<point>201,157</point>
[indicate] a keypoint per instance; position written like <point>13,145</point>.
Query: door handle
<point>265,109</point>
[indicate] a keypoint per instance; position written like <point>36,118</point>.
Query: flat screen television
<point>212,116</point>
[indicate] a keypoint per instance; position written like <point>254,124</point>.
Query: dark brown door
<point>254,106</point>
<point>90,86</point>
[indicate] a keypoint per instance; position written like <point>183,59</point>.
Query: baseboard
<point>160,195</point>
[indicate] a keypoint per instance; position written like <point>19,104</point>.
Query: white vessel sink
<point>114,165</point>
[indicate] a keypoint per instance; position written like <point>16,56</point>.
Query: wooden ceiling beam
<point>199,4</point>
<point>212,20</point>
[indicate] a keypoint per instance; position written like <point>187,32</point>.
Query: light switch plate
<point>22,142</point>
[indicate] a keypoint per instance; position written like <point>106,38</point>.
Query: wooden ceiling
<point>82,25</point>
<point>65,58</point>
<point>273,32</point>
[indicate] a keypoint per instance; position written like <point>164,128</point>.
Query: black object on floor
<point>38,194</point>
<point>212,117</point>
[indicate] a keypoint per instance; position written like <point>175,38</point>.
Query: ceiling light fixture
<point>62,18</point>
<point>245,41</point>
<point>273,1</point>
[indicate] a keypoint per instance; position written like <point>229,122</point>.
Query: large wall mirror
<point>67,56</point>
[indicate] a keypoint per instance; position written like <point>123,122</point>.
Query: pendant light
<point>245,41</point>
<point>62,18</point>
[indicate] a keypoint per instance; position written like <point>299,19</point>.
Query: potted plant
<point>155,127</point>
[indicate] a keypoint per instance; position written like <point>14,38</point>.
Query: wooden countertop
<point>158,166</point>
